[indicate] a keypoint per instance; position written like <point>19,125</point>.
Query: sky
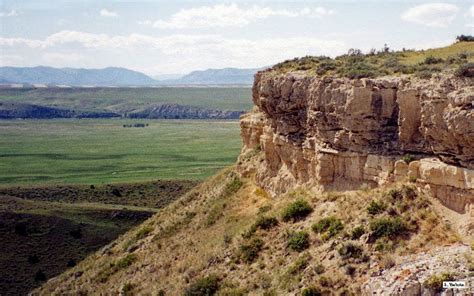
<point>177,37</point>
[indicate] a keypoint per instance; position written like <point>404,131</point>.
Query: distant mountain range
<point>119,77</point>
<point>75,77</point>
<point>215,76</point>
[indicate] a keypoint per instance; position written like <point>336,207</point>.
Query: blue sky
<point>164,37</point>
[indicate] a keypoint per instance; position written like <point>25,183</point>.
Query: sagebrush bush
<point>206,286</point>
<point>249,251</point>
<point>298,241</point>
<point>407,158</point>
<point>465,70</point>
<point>376,207</point>
<point>126,261</point>
<point>388,227</point>
<point>329,225</point>
<point>357,232</point>
<point>265,222</point>
<point>310,291</point>
<point>350,250</point>
<point>435,282</point>
<point>233,186</point>
<point>296,211</point>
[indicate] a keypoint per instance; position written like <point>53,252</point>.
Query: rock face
<point>338,133</point>
<point>413,275</point>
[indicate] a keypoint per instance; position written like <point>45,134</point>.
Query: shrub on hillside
<point>310,291</point>
<point>435,282</point>
<point>375,207</point>
<point>350,250</point>
<point>249,251</point>
<point>388,227</point>
<point>465,38</point>
<point>465,70</point>
<point>329,225</point>
<point>298,241</point>
<point>126,261</point>
<point>206,286</point>
<point>296,211</point>
<point>233,186</point>
<point>430,60</point>
<point>264,222</point>
<point>357,232</point>
<point>407,158</point>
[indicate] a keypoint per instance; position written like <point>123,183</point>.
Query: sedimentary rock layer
<point>339,133</point>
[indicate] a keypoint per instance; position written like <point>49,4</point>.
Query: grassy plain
<point>87,151</point>
<point>123,99</point>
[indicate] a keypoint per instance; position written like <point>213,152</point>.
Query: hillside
<point>344,186</point>
<point>75,77</point>
<point>144,102</point>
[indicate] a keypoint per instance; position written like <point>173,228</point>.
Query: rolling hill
<point>75,77</point>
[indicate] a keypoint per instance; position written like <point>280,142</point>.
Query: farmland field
<point>99,151</point>
<point>126,99</point>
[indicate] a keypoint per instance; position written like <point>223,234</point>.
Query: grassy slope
<point>123,99</point>
<point>381,63</point>
<point>201,234</point>
<point>49,215</point>
<point>102,151</point>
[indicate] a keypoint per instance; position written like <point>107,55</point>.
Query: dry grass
<point>180,246</point>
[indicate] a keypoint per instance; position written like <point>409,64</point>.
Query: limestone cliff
<point>337,133</point>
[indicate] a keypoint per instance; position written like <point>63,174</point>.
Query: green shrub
<point>264,209</point>
<point>465,38</point>
<point>432,60</point>
<point>375,208</point>
<point>465,70</point>
<point>310,291</point>
<point>319,269</point>
<point>350,250</point>
<point>143,232</point>
<point>325,66</point>
<point>126,261</point>
<point>266,223</point>
<point>206,286</point>
<point>358,69</point>
<point>394,194</point>
<point>408,192</point>
<point>408,158</point>
<point>435,282</point>
<point>330,225</point>
<point>233,186</point>
<point>127,289</point>
<point>384,246</point>
<point>299,265</point>
<point>388,227</point>
<point>296,211</point>
<point>249,251</point>
<point>298,241</point>
<point>357,232</point>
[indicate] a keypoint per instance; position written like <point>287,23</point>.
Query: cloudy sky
<point>165,37</point>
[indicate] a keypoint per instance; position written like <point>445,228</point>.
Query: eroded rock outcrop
<point>337,133</point>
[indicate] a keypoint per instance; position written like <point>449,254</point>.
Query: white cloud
<point>431,14</point>
<point>108,13</point>
<point>230,15</point>
<point>471,11</point>
<point>9,14</point>
<point>174,53</point>
<point>59,59</point>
